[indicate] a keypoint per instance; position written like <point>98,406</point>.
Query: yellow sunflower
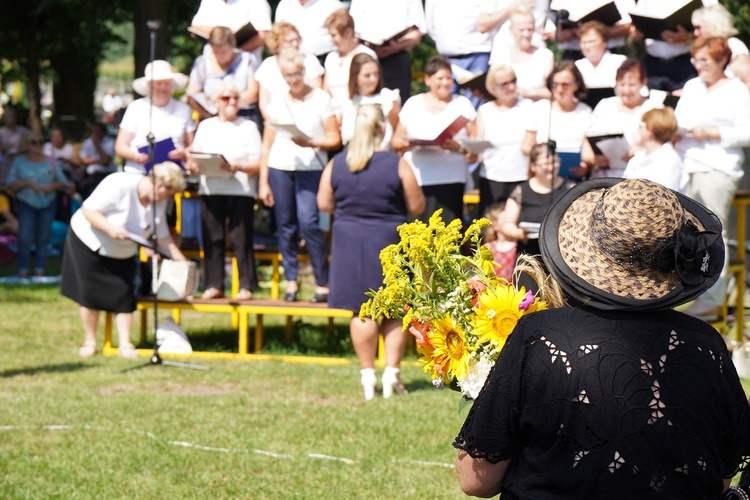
<point>452,352</point>
<point>497,314</point>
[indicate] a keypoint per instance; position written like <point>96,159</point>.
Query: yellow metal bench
<point>736,268</point>
<point>241,308</point>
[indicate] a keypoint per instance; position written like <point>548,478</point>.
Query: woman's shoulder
<point>414,103</point>
<point>387,157</point>
<point>582,108</point>
<point>178,107</point>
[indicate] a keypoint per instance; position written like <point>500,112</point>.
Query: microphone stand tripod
<point>560,16</point>
<point>156,359</point>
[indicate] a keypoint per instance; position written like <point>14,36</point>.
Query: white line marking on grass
<point>187,444</point>
<point>271,454</point>
<point>329,457</point>
<point>420,462</point>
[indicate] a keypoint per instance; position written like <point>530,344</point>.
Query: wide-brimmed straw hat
<point>631,245</point>
<point>161,71</point>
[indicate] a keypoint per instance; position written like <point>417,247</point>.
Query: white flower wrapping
<point>479,369</point>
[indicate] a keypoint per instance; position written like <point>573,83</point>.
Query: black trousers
<point>449,197</point>
<point>397,73</point>
<point>217,212</point>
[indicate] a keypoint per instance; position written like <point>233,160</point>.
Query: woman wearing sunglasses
<point>35,180</point>
<point>228,197</point>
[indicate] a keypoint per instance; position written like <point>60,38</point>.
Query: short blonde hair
<point>289,56</point>
<point>661,122</point>
<point>278,32</point>
<point>171,175</point>
<point>221,88</point>
<point>339,21</point>
<point>23,145</point>
<point>220,36</point>
<point>491,79</point>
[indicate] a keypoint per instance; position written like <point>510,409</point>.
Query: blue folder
<point>161,152</point>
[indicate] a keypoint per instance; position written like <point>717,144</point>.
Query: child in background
<point>658,162</point>
<point>503,249</point>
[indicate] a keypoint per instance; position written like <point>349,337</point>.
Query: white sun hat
<point>159,70</point>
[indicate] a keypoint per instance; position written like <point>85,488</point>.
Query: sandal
<point>127,351</point>
<point>244,294</point>
<point>212,293</point>
<point>88,349</point>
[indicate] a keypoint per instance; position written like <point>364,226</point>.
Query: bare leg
<point>365,340</point>
<point>124,322</point>
<point>90,322</point>
<point>395,341</point>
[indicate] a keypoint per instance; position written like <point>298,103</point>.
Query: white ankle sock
<point>368,381</point>
<point>390,372</point>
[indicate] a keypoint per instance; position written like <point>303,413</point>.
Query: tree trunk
<point>144,11</point>
<point>32,69</point>
<point>74,94</point>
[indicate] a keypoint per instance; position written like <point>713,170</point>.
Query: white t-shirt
<point>375,21</point>
<point>64,153</point>
<point>432,165</point>
<point>501,36</point>
<point>269,74</point>
<point>111,103</point>
<point>337,74</point>
<point>117,198</point>
<point>604,75</point>
<point>309,19</point>
<point>568,129</point>
<point>239,142</point>
<point>531,73</point>
<point>453,27</point>
<point>89,151</point>
<point>206,73</point>
<point>728,108</point>
<point>611,117</point>
<point>387,98</point>
<point>663,166</point>
<point>505,162</point>
<point>308,117</point>
<point>234,14</point>
<point>173,120</point>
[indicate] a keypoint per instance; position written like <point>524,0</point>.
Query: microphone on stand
<point>560,15</point>
<point>153,25</point>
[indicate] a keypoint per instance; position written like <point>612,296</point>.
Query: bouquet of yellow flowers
<point>459,310</point>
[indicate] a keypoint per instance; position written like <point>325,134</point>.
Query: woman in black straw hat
<point>620,396</point>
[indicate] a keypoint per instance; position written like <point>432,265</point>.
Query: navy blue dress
<point>369,207</point>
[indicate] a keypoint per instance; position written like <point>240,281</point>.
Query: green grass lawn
<point>72,428</point>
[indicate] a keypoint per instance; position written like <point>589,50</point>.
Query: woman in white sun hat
<point>169,118</point>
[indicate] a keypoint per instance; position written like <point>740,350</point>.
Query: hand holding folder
<point>161,153</point>
<point>452,129</point>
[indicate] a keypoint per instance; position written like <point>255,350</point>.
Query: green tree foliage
<point>741,11</point>
<point>67,38</point>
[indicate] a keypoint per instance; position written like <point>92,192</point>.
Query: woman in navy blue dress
<point>370,192</point>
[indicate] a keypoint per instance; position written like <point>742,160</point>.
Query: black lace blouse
<point>593,404</point>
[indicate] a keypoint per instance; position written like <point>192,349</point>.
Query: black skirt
<point>97,282</point>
